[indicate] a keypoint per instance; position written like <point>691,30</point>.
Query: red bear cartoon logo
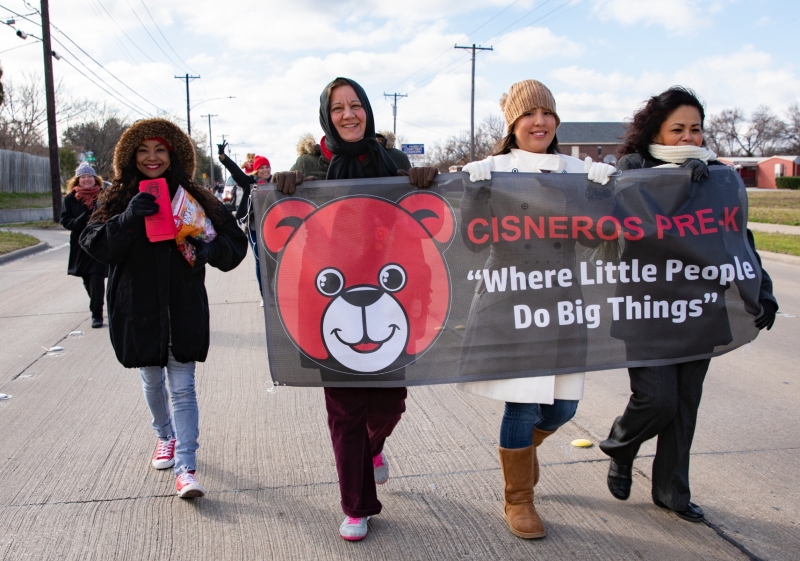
<point>361,286</point>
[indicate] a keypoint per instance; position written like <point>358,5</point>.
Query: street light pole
<point>210,149</point>
<point>473,48</point>
<point>50,100</point>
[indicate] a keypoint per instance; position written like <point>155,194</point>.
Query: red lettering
<point>538,229</point>
<point>554,227</point>
<point>662,223</point>
<point>617,228</point>
<point>471,231</point>
<point>729,219</point>
<point>495,237</point>
<point>633,223</point>
<point>703,220</point>
<point>577,228</point>
<point>510,224</point>
<point>685,221</point>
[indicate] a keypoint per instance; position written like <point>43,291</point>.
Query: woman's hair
<point>508,142</point>
<point>73,182</point>
<point>647,121</point>
<point>115,199</point>
<point>335,84</point>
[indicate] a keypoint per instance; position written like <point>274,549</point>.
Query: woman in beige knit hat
<point>535,407</point>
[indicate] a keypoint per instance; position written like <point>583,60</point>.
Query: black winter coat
<point>155,299</point>
<point>246,182</point>
<point>74,217</point>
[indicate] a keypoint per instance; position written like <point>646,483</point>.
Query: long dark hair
<point>509,141</point>
<point>115,199</point>
<point>648,119</point>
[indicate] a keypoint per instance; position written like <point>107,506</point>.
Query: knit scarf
<point>348,156</point>
<point>87,195</point>
<point>676,155</point>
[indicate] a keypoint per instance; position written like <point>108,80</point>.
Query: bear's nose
<point>362,296</point>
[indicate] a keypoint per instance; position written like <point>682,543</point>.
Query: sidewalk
<point>77,484</point>
<point>774,228</point>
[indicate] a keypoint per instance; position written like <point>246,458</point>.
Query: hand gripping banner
<point>372,282</point>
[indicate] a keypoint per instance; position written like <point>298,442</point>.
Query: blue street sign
<point>413,149</point>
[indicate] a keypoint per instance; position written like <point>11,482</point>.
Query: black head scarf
<point>345,163</point>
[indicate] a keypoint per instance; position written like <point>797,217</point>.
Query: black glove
<point>203,252</point>
<point>221,147</point>
<point>141,205</point>
<point>287,181</point>
<point>767,316</point>
<point>698,167</point>
<point>422,177</point>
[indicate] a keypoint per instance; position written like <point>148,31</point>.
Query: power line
<point>150,35</point>
<point>19,47</point>
<point>163,36</point>
<point>102,88</point>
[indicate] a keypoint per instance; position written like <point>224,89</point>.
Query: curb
<point>780,257</point>
<point>24,252</point>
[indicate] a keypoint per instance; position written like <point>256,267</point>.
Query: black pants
<point>664,403</point>
<point>95,288</point>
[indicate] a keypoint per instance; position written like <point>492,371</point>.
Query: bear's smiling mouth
<point>365,345</point>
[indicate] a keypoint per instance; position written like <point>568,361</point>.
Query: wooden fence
<point>23,173</point>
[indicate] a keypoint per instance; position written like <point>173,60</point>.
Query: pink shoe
<point>188,487</point>
<point>354,529</point>
<point>381,465</point>
<point>164,456</point>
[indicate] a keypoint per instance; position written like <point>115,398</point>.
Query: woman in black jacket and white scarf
<point>667,132</point>
<point>157,303</point>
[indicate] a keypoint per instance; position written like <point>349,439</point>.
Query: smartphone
<point>161,225</point>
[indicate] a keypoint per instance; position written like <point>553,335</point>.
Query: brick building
<point>598,140</point>
<point>761,172</point>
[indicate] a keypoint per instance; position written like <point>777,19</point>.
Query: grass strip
<point>12,241</point>
<point>10,201</point>
<point>777,243</point>
<point>782,207</point>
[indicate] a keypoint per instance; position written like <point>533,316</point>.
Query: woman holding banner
<point>157,304</point>
<point>668,132</point>
<point>535,407</point>
<point>359,418</point>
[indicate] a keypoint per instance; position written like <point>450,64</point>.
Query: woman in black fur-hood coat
<point>156,300</point>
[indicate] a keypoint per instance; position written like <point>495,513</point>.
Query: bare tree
<point>731,133</point>
<point>793,129</point>
<point>23,114</point>
<point>99,134</point>
<point>454,150</point>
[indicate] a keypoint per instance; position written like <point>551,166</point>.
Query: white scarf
<point>675,155</point>
<point>539,162</point>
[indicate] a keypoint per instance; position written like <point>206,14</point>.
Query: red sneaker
<point>188,487</point>
<point>164,456</point>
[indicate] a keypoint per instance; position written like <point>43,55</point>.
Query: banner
<point>372,282</point>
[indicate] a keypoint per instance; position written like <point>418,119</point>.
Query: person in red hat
<point>261,175</point>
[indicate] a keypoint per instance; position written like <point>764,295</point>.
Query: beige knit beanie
<point>524,96</point>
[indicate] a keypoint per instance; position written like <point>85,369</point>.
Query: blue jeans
<point>251,237</point>
<point>519,420</point>
<point>185,425</point>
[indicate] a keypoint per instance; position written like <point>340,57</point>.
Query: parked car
<point>231,194</point>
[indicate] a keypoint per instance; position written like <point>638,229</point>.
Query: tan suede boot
<point>538,438</point>
<point>519,512</point>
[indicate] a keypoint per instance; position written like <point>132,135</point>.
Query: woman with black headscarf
<point>360,419</point>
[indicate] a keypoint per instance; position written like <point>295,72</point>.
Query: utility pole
<point>394,108</point>
<point>188,78</point>
<point>473,48</point>
<point>50,99</point>
<point>210,149</point>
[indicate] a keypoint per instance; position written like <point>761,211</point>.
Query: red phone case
<point>161,225</point>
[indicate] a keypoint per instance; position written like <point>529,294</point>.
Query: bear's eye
<point>330,282</point>
<point>392,278</point>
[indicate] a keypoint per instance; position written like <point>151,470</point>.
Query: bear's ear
<point>282,220</point>
<point>432,211</point>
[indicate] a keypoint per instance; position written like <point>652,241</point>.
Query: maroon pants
<point>360,420</point>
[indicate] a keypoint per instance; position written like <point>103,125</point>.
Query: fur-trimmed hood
<point>307,145</point>
<point>391,139</point>
<point>141,130</point>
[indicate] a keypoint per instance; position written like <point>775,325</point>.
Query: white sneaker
<point>381,465</point>
<point>354,529</point>
<point>262,302</point>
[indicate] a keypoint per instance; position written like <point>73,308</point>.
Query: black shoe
<point>693,513</point>
<point>619,480</point>
<point>97,322</point>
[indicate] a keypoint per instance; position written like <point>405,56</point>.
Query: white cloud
<point>678,16</point>
<point>534,43</point>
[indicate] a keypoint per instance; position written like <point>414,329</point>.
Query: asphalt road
<point>75,446</point>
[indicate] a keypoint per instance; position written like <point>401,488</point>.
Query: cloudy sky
<point>601,58</point>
